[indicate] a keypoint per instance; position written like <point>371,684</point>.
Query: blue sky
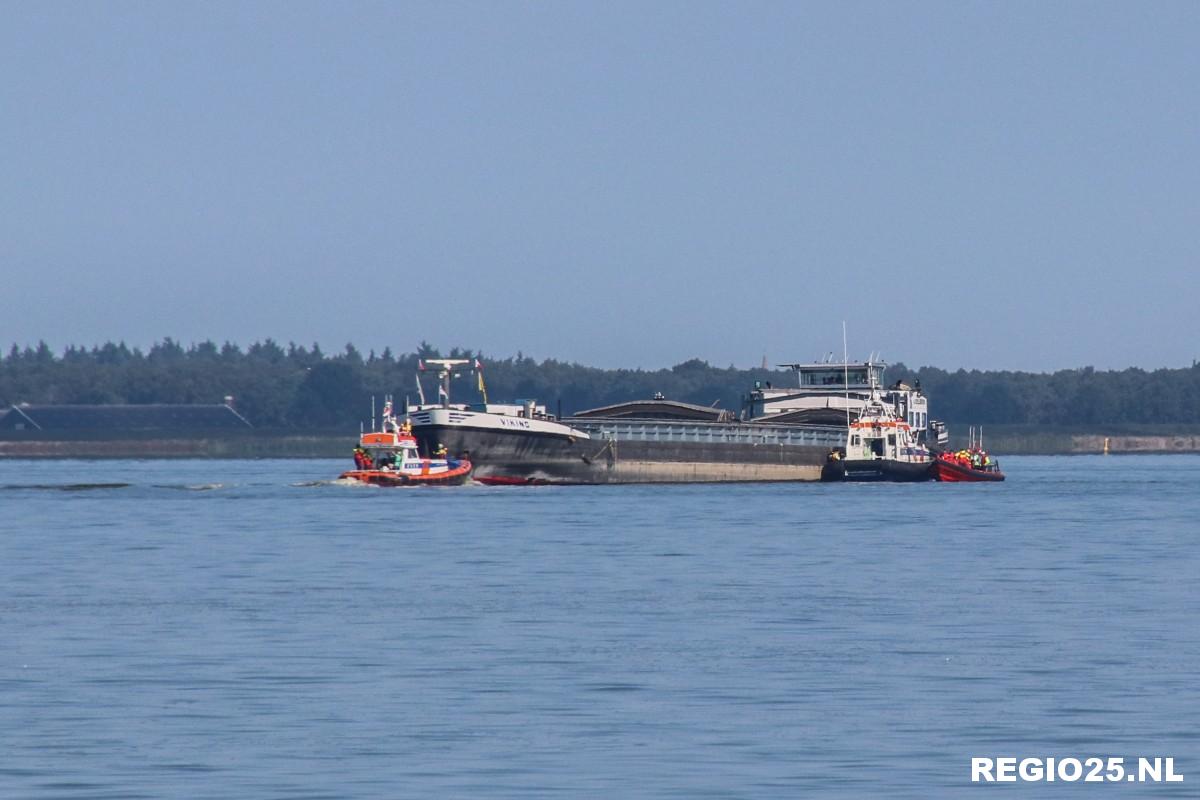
<point>991,185</point>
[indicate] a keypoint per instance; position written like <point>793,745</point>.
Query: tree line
<point>294,387</point>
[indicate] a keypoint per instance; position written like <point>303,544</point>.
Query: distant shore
<point>260,444</point>
<point>1049,440</point>
<point>999,439</point>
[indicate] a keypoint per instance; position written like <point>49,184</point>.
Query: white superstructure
<point>499,418</point>
<point>826,392</point>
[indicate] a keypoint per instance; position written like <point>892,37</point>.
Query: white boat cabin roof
<point>839,376</point>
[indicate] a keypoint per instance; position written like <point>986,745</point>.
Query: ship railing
<point>709,432</point>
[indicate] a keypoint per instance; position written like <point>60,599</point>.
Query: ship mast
<point>846,374</point>
<point>447,368</point>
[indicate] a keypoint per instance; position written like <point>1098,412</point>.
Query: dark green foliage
<point>1071,397</point>
<point>303,388</point>
<point>327,392</point>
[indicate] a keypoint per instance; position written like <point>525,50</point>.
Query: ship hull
<point>875,470</point>
<point>375,477</point>
<point>455,473</point>
<point>523,457</point>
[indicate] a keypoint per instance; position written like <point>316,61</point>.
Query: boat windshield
<point>836,375</point>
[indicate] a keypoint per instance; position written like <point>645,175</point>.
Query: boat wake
<point>65,487</point>
<point>190,487</point>
<point>333,482</point>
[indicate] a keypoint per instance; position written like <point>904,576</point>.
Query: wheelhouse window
<point>833,377</point>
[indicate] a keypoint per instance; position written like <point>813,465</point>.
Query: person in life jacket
<point>441,451</point>
<point>360,458</point>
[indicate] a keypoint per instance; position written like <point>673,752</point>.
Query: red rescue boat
<point>952,468</point>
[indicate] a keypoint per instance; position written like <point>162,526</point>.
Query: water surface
<point>247,629</point>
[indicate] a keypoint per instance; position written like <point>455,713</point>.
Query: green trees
<point>298,387</point>
<point>328,392</point>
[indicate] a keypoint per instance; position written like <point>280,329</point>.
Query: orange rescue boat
<point>391,458</point>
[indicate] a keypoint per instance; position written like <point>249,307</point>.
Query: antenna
<point>846,373</point>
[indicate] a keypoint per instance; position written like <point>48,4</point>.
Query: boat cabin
<point>877,434</point>
<point>393,448</point>
<point>827,393</point>
<point>862,376</point>
<point>394,451</point>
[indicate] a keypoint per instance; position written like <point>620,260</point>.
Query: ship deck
<point>751,433</point>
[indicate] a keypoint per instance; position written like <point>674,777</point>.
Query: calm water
<point>238,629</point>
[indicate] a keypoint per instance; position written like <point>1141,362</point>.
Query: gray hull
<point>639,453</point>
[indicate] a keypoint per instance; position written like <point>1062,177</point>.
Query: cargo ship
<point>780,434</point>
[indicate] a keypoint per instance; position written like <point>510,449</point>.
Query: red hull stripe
<point>505,480</point>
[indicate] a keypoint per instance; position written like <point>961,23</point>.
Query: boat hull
<point>456,476</point>
<point>524,457</point>
<point>877,470</point>
<point>950,472</point>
